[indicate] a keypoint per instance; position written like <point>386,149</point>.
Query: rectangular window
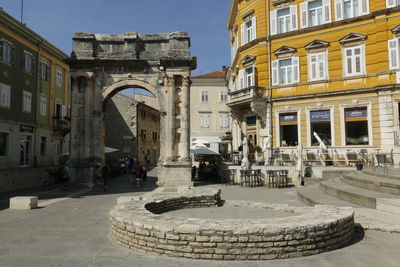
<point>43,146</point>
<point>143,134</point>
<point>224,120</point>
<point>223,95</point>
<point>28,62</point>
<point>288,129</point>
<point>44,70</point>
<point>249,31</point>
<point>204,96</point>
<point>321,125</point>
<point>154,135</point>
<point>3,144</point>
<point>317,66</point>
<point>285,71</point>
<point>43,105</point>
<point>354,61</point>
<point>394,53</point>
<point>315,13</point>
<point>392,3</point>
<point>251,121</point>
<point>27,101</point>
<point>345,9</point>
<point>356,126</point>
<point>59,77</point>
<point>6,51</point>
<point>246,77</point>
<point>283,20</point>
<point>204,120</point>
<point>5,95</point>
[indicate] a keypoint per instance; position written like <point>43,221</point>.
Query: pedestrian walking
<point>65,177</point>
<point>139,174</point>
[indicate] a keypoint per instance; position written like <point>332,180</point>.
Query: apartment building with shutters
<point>326,66</point>
<point>34,104</point>
<point>209,115</point>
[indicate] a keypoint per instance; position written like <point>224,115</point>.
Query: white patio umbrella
<point>321,144</point>
<point>106,150</point>
<point>299,165</point>
<point>202,150</point>
<point>245,160</point>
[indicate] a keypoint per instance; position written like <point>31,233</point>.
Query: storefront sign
<point>356,113</point>
<point>290,117</point>
<point>320,115</point>
<point>26,129</point>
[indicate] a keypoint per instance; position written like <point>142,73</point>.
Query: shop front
<point>288,129</point>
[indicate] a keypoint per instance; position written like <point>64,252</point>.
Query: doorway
<point>25,152</point>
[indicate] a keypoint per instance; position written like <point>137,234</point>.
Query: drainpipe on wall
<point>269,71</point>
<point>38,91</point>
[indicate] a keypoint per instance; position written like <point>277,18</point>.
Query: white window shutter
<point>275,72</point>
<point>243,31</point>
<point>64,111</point>
<point>296,72</point>
<point>254,26</point>
<point>394,54</point>
<point>327,11</point>
<point>304,14</point>
<point>338,9</point>
<point>363,60</point>
<point>253,77</point>
<point>242,80</point>
<point>293,17</point>
<point>390,3</point>
<point>273,22</point>
<point>364,8</point>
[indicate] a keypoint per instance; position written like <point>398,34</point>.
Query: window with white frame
<point>6,51</point>
<point>394,53</point>
<point>246,77</point>
<point>5,95</point>
<point>285,71</point>
<point>224,120</point>
<point>313,13</point>
<point>43,105</point>
<point>354,62</point>
<point>249,31</point>
<point>204,96</point>
<point>392,3</point>
<point>317,66</point>
<point>223,95</point>
<point>283,20</point>
<point>44,70</point>
<point>204,120</point>
<point>27,101</point>
<point>345,9</point>
<point>28,62</point>
<point>59,76</point>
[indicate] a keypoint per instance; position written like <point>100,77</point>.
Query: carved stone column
<point>170,81</point>
<point>185,120</point>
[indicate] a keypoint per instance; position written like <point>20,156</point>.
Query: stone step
<point>312,195</point>
<point>390,174</point>
<point>371,182</point>
<point>360,196</point>
<point>391,205</point>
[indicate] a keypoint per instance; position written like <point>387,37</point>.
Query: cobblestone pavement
<point>73,231</point>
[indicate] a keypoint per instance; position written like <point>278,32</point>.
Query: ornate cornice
<point>259,108</point>
<point>316,44</point>
<point>396,29</point>
<point>353,37</point>
<point>285,50</point>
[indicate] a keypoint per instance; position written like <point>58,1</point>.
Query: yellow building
<point>318,69</point>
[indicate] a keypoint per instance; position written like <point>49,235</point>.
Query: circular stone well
<point>146,225</point>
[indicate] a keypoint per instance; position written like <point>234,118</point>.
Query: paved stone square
<point>74,232</point>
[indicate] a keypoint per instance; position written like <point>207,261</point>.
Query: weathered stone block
<point>23,203</point>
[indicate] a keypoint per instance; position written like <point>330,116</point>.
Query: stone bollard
<point>23,203</point>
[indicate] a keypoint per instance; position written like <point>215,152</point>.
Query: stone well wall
<point>142,226</point>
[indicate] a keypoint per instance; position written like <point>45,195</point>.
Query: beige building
<point>209,114</point>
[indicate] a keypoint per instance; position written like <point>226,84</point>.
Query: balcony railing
<point>246,95</point>
<point>62,125</point>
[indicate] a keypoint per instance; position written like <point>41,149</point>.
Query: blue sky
<point>205,20</point>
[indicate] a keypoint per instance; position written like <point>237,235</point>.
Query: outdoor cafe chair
<point>311,159</point>
<point>352,158</point>
<point>285,158</point>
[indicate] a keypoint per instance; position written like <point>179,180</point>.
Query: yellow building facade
<point>318,70</point>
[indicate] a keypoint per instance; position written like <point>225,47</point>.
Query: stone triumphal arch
<point>102,65</point>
